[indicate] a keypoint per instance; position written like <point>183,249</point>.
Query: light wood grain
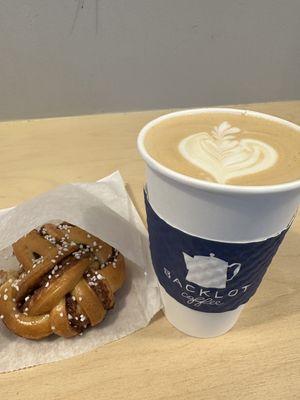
<point>258,359</point>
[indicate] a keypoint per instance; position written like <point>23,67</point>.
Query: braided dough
<point>66,282</point>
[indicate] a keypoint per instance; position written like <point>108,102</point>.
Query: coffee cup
<point>211,243</point>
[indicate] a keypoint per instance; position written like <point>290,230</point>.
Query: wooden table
<point>258,359</point>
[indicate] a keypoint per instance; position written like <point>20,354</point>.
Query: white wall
<point>61,57</point>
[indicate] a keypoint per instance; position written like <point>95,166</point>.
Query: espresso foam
<point>227,148</point>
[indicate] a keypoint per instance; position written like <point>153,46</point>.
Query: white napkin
<point>105,210</point>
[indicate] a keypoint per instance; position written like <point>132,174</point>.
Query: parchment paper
<point>105,210</point>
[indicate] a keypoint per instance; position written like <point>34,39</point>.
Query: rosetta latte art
<point>224,156</point>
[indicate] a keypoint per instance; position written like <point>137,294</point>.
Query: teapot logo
<point>209,272</point>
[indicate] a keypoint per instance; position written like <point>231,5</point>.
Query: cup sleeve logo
<point>207,275</point>
<point>209,272</point>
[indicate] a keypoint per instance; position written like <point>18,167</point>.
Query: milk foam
<point>224,156</point>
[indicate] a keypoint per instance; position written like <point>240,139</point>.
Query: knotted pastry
<point>66,282</point>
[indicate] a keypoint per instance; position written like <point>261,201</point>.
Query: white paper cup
<point>217,212</point>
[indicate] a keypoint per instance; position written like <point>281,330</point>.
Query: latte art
<point>224,155</point>
<point>229,147</point>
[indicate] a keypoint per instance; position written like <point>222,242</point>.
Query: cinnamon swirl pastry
<point>66,282</point>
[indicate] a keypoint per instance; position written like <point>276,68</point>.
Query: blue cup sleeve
<point>207,275</point>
